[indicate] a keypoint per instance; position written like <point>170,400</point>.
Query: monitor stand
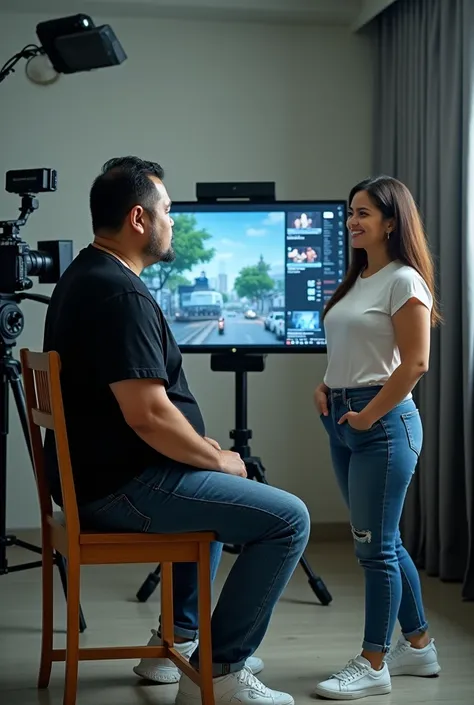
<point>241,365</point>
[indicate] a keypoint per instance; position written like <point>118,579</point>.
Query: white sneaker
<point>404,660</point>
<point>240,687</point>
<point>357,680</point>
<point>162,670</point>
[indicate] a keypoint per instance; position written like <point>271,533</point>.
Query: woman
<point>378,331</point>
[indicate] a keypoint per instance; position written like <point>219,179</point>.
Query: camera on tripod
<point>17,263</point>
<point>17,260</point>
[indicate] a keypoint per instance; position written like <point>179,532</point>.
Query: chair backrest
<point>44,405</point>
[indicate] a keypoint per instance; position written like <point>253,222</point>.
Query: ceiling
<point>339,12</point>
<point>351,13</point>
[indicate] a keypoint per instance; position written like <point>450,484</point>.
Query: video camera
<point>72,44</point>
<point>17,260</point>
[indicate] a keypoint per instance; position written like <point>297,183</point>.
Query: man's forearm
<point>171,434</point>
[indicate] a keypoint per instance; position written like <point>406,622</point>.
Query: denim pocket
<point>120,514</point>
<point>414,430</point>
<point>364,432</point>
<point>359,405</point>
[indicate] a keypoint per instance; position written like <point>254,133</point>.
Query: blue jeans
<point>374,469</point>
<point>271,525</point>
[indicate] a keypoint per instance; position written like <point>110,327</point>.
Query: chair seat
<point>118,547</point>
<point>90,537</point>
<point>94,537</point>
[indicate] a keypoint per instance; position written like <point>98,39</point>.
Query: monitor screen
<point>250,277</point>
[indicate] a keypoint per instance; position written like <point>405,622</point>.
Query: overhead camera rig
<point>72,44</point>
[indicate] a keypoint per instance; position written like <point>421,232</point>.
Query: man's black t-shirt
<point>106,327</point>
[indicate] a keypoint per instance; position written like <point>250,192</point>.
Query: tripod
<point>241,365</point>
<point>11,326</point>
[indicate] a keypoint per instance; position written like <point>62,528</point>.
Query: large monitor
<point>251,277</point>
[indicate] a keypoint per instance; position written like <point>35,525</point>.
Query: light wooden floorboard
<point>305,642</point>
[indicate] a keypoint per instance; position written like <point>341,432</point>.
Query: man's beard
<point>154,248</point>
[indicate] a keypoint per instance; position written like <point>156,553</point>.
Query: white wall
<point>210,102</point>
<point>369,10</point>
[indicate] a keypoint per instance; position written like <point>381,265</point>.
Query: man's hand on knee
<point>232,463</point>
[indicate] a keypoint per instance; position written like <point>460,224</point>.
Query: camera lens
<point>38,263</point>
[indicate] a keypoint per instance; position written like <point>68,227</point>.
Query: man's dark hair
<point>122,184</point>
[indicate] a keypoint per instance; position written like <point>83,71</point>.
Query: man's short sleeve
<point>409,285</point>
<point>128,340</point>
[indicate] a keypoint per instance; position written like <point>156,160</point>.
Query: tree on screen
<point>189,244</point>
<point>254,282</point>
<point>175,280</point>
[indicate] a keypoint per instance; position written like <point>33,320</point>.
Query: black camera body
<point>17,260</point>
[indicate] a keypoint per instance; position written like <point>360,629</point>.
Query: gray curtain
<point>424,136</point>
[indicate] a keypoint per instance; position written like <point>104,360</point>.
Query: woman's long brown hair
<point>407,242</point>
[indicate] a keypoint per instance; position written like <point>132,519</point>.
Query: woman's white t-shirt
<point>360,337</point>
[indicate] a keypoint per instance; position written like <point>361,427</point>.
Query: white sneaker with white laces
<point>240,687</point>
<point>162,670</point>
<point>404,660</point>
<point>357,680</point>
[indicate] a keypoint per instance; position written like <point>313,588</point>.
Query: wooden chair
<point>41,372</point>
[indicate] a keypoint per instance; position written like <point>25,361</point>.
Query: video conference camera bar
<point>17,260</point>
<point>262,192</point>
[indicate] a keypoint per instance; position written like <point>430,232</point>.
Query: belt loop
<point>344,396</point>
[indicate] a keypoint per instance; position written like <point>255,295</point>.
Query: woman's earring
<point>388,235</point>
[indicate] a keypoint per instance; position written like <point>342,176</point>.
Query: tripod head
<point>12,320</point>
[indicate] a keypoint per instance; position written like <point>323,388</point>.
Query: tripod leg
<point>4,407</point>
<point>316,583</point>
<point>14,370</point>
<point>150,585</point>
<point>256,471</point>
<point>61,563</point>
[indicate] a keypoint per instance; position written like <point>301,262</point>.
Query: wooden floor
<point>305,642</point>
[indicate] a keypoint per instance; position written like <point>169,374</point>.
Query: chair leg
<point>167,607</point>
<point>61,563</point>
<point>72,637</point>
<point>205,641</point>
<point>48,608</point>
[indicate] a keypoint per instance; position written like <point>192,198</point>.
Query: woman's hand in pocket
<point>357,421</point>
<point>321,399</point>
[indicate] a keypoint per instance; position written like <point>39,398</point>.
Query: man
<point>140,456</point>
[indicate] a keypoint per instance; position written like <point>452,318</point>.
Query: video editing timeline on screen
<point>315,265</point>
